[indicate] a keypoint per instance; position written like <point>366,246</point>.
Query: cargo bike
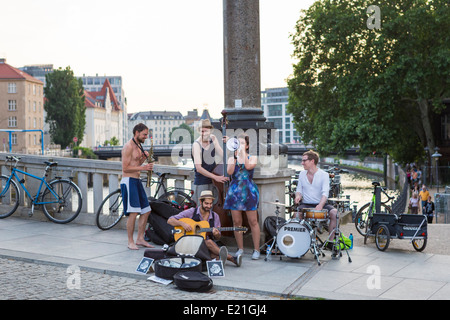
<point>385,227</point>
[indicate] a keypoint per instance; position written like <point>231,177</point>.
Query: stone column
<point>242,64</point>
<point>243,110</point>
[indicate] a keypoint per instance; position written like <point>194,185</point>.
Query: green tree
<point>378,89</point>
<point>183,128</point>
<point>65,106</point>
<point>113,142</point>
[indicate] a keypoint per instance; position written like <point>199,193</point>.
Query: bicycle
<point>364,214</point>
<point>61,199</point>
<point>111,212</point>
<point>335,181</point>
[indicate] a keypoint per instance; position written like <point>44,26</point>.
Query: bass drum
<point>294,238</point>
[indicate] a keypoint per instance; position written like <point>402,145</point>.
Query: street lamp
<point>436,155</point>
<point>427,171</point>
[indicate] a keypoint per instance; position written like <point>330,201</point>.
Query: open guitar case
<point>189,253</point>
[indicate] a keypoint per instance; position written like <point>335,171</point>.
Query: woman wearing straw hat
<point>203,154</point>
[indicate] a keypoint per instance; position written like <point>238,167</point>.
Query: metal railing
<point>442,207</point>
<point>399,204</point>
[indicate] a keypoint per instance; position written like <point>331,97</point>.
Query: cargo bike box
<point>406,226</point>
<point>411,225</point>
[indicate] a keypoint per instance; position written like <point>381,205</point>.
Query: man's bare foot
<point>144,244</point>
<point>132,246</point>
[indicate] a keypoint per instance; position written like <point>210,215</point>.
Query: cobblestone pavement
<point>22,280</point>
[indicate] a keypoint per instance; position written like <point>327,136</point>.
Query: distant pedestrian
<point>414,177</point>
<point>424,194</point>
<point>428,209</point>
<point>414,203</point>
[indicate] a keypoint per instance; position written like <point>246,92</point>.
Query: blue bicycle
<point>60,198</point>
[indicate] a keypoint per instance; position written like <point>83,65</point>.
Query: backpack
<point>159,231</point>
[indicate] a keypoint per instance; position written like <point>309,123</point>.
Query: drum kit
<point>295,237</point>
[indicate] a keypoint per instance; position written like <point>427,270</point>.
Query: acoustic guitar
<point>200,228</point>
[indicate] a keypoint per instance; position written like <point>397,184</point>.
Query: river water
<point>357,185</point>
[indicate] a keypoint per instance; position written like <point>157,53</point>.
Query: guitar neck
<point>220,229</point>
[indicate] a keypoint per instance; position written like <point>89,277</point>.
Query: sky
<point>168,52</point>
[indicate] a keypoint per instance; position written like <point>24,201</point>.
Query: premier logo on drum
<point>294,229</point>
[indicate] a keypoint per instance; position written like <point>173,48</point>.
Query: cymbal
<point>275,203</point>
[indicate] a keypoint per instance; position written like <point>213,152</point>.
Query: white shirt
<point>313,192</point>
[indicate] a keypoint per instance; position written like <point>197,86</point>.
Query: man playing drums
<point>313,189</point>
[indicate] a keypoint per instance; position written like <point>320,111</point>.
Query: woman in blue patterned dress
<point>243,194</point>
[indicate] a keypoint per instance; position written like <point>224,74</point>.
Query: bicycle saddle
<point>376,183</point>
<point>51,164</point>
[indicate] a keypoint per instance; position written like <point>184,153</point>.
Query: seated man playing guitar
<point>204,213</point>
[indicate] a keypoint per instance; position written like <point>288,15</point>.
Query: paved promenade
<point>43,260</point>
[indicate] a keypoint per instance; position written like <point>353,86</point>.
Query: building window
<point>12,105</point>
<point>278,123</point>
<point>14,138</point>
<point>275,110</point>
<point>12,87</point>
<point>12,122</point>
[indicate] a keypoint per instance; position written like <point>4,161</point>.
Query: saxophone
<point>150,159</point>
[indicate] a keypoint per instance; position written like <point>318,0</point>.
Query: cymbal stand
<point>272,243</point>
<point>336,249</point>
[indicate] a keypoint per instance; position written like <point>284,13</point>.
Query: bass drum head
<point>294,239</point>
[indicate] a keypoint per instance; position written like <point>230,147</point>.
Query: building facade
<point>160,124</point>
<point>104,117</point>
<point>39,71</point>
<point>95,83</point>
<point>274,103</point>
<point>21,108</point>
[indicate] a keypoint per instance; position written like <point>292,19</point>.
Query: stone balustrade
<point>96,178</point>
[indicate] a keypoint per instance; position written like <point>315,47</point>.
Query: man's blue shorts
<point>134,196</point>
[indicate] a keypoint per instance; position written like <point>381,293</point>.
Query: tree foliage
<point>65,106</point>
<point>368,87</point>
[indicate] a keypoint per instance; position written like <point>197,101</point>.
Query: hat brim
<point>206,197</point>
<point>199,128</point>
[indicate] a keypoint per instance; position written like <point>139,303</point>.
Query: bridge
<point>96,178</point>
<point>184,150</point>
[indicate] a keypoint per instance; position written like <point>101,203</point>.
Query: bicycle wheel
<point>179,199</point>
<point>382,237</point>
<point>63,203</point>
<point>362,217</point>
<point>419,244</point>
<point>9,197</point>
<point>110,211</point>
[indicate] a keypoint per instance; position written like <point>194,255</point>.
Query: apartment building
<point>21,108</point>
<point>96,83</point>
<point>274,102</point>
<point>104,117</point>
<point>160,124</point>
